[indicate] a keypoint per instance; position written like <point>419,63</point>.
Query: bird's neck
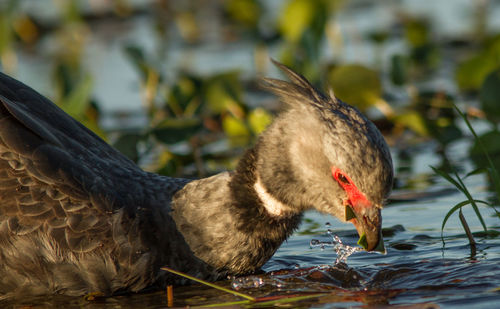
<point>273,206</point>
<point>257,207</point>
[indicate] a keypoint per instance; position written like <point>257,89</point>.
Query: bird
<point>78,217</point>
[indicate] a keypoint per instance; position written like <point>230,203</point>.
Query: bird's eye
<point>343,179</point>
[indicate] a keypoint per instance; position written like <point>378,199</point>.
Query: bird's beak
<point>368,223</point>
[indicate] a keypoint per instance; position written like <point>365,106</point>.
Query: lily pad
<point>490,96</point>
<point>399,69</point>
<point>471,73</point>
<point>127,144</point>
<point>174,130</point>
<point>258,120</point>
<point>414,121</point>
<point>246,12</point>
<point>296,18</point>
<point>356,84</point>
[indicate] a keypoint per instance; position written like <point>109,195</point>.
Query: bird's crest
<point>299,89</point>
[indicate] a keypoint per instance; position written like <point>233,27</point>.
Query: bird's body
<point>78,217</point>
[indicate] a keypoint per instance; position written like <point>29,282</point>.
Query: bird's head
<point>324,154</point>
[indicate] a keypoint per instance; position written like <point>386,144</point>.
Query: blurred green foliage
<point>356,84</point>
<point>198,124</point>
<point>472,71</point>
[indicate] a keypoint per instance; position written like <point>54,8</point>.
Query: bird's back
<point>76,216</point>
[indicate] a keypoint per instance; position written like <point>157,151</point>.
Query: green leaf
<point>349,213</point>
<point>362,241</point>
<point>356,84</point>
<point>417,32</point>
<point>258,120</point>
<point>473,203</point>
<point>448,178</point>
<point>487,142</point>
<point>77,102</point>
<point>94,127</point>
<point>489,96</point>
<point>184,98</point>
<point>477,171</point>
<point>136,55</point>
<point>399,69</point>
<point>223,92</point>
<point>493,171</point>
<point>471,73</point>
<point>414,121</point>
<point>246,12</point>
<point>127,144</point>
<point>6,28</point>
<point>174,130</point>
<point>457,207</point>
<point>461,186</point>
<point>234,127</point>
<point>296,17</point>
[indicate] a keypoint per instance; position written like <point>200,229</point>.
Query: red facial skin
<point>355,198</point>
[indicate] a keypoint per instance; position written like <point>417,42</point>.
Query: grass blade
<point>227,304</point>
<point>215,286</point>
<point>477,171</point>
<point>492,171</point>
<point>448,178</point>
<point>455,208</point>
<point>473,203</point>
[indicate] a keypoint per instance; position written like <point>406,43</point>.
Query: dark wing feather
<point>56,176</point>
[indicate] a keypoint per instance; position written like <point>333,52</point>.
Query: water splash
<point>343,251</point>
<point>285,279</point>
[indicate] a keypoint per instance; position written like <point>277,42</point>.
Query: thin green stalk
<point>215,286</point>
<point>455,208</point>
<point>472,242</point>
<point>492,170</point>
<point>227,304</point>
<point>458,183</point>
<point>472,202</point>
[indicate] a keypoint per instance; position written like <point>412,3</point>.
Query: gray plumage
<point>78,217</point>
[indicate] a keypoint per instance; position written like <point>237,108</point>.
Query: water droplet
<point>343,251</point>
<point>314,243</point>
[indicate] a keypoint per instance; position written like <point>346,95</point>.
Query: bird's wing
<point>56,176</point>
